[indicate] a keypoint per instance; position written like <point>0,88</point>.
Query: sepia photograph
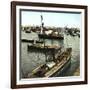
<point>49,44</point>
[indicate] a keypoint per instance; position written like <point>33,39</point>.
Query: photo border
<point>13,44</point>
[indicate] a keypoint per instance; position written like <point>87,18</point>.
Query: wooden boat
<point>49,34</point>
<point>52,67</point>
<point>59,60</point>
<point>45,36</point>
<point>31,41</point>
<point>41,47</point>
<point>28,31</point>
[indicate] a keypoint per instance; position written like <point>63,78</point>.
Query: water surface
<point>30,60</point>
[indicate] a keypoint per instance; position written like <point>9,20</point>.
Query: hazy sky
<point>51,19</point>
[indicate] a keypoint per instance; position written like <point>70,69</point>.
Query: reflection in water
<point>30,60</point>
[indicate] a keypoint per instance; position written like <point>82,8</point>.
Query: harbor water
<point>30,60</point>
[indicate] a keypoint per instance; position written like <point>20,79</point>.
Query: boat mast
<point>42,24</point>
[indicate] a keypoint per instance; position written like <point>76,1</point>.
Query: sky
<point>51,19</point>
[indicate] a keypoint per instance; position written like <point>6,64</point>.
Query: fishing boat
<point>42,47</point>
<point>31,41</point>
<point>27,31</point>
<point>50,34</point>
<point>49,69</point>
<point>59,61</point>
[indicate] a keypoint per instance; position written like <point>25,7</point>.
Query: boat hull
<point>61,64</point>
<point>31,41</point>
<point>50,36</point>
<point>61,71</point>
<point>42,48</point>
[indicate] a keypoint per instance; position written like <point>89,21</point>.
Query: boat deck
<point>31,41</point>
<point>39,47</point>
<point>45,71</point>
<point>51,36</point>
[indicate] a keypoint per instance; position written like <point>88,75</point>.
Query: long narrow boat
<point>31,41</point>
<point>50,68</point>
<point>45,36</point>
<point>41,47</point>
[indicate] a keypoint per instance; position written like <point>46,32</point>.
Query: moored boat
<point>27,31</point>
<point>41,47</point>
<point>45,36</point>
<point>49,34</point>
<point>59,60</point>
<point>31,41</point>
<point>50,68</point>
